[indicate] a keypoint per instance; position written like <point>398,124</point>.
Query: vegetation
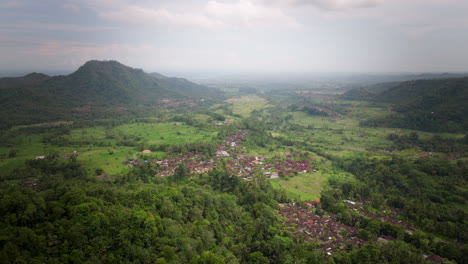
<point>81,189</point>
<point>98,89</point>
<point>428,105</point>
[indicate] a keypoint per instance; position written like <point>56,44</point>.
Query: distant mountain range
<point>430,105</point>
<point>37,97</point>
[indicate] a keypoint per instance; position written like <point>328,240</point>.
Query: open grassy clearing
<point>165,133</point>
<point>89,142</point>
<point>25,147</point>
<point>306,186</point>
<point>338,134</point>
<point>110,160</point>
<point>48,124</point>
<point>246,104</point>
<point>342,136</point>
<point>90,133</point>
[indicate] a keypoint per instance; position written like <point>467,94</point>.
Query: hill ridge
<point>38,98</point>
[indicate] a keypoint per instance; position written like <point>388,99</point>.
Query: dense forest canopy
<point>428,105</point>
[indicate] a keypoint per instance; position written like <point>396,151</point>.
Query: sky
<point>236,36</point>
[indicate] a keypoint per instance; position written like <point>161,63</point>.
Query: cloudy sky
<point>236,36</point>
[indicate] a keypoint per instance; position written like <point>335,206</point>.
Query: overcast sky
<point>237,36</point>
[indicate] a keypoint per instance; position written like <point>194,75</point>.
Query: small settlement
<point>328,232</point>
<point>237,162</point>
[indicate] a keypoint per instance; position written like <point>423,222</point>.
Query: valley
<point>244,176</point>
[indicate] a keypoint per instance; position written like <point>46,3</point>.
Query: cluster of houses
<point>270,167</point>
<point>245,166</point>
<point>196,163</point>
<point>227,121</point>
<point>357,206</point>
<point>329,234</point>
<point>237,162</point>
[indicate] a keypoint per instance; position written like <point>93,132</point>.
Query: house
<point>28,183</point>
<point>146,151</point>
<point>40,157</point>
<point>274,175</point>
<point>424,156</point>
<point>435,259</point>
<point>222,153</point>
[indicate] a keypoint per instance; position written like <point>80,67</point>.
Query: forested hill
<point>430,105</point>
<point>446,90</point>
<point>27,80</point>
<point>111,83</point>
<point>37,97</point>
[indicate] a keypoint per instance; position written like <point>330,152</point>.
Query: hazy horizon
<point>212,75</point>
<point>229,37</point>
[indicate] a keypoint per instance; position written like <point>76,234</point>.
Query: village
<point>304,222</point>
<point>237,163</point>
<point>330,234</point>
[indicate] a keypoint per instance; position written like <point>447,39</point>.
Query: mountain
<point>110,83</point>
<point>37,97</point>
<point>429,105</point>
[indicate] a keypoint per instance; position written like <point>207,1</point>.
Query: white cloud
<point>214,14</point>
<point>12,4</point>
<point>72,7</point>
<point>98,4</point>
<point>146,16</point>
<point>70,55</point>
<point>325,4</point>
<point>51,27</point>
<point>247,13</point>
<point>432,16</point>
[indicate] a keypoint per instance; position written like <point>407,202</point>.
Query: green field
<point>100,147</point>
<point>246,104</point>
<point>304,187</point>
<point>308,186</point>
<point>165,133</point>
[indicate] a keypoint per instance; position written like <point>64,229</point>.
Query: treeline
<point>205,148</point>
<point>428,105</point>
<point>423,120</point>
<point>436,143</point>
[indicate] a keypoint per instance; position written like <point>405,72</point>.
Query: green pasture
<point>110,160</point>
<point>245,105</point>
<point>88,141</point>
<point>304,186</point>
<point>89,133</point>
<point>164,133</point>
<point>338,133</point>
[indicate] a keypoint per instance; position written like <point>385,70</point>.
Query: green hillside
<point>429,105</point>
<point>19,82</point>
<point>38,98</point>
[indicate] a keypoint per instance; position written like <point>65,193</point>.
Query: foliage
<point>72,218</point>
<point>428,105</point>
<point>426,191</point>
<point>98,88</point>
